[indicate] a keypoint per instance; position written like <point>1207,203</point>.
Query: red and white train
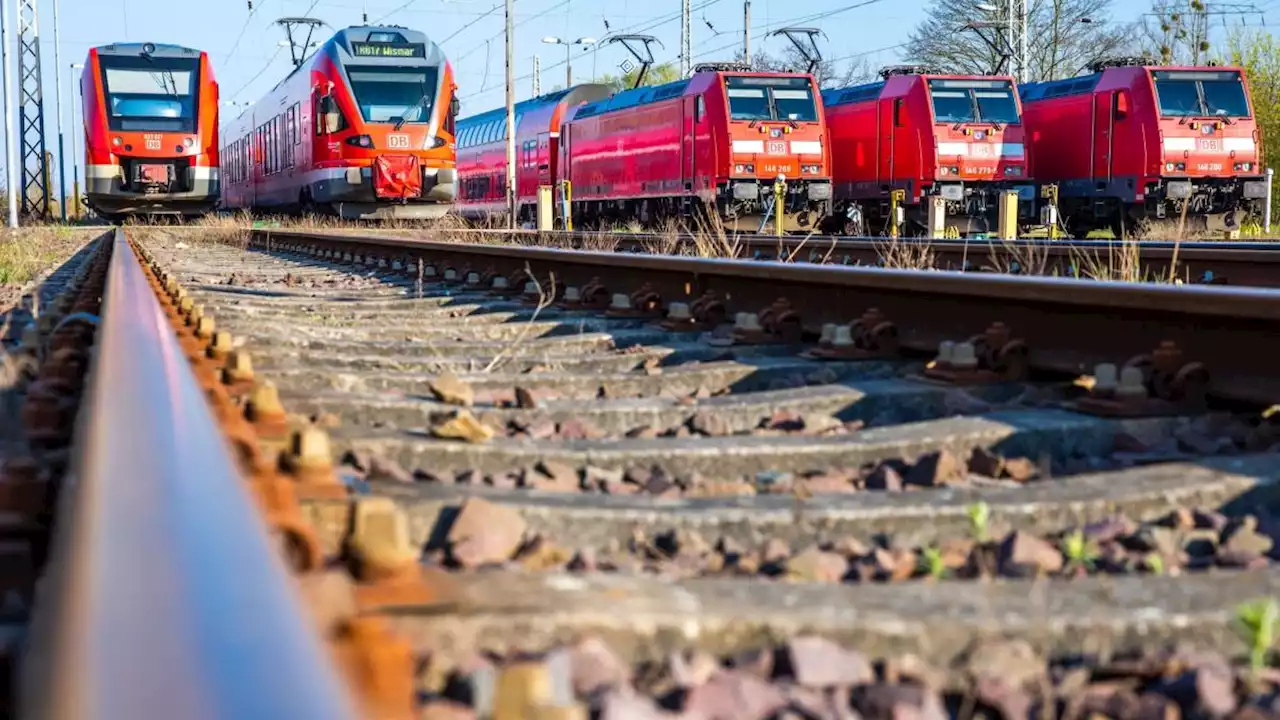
<point>151,131</point>
<point>363,129</point>
<point>1130,142</point>
<point>710,145</point>
<point>953,139</point>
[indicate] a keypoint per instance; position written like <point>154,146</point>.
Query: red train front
<point>953,140</point>
<point>151,130</point>
<point>1131,143</point>
<point>363,129</point>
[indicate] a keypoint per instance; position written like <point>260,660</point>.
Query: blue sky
<point>248,60</point>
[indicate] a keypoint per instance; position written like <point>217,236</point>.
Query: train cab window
<point>700,109</point>
<point>392,94</point>
<point>1200,93</point>
<point>749,104</point>
<point>978,101</point>
<point>150,93</point>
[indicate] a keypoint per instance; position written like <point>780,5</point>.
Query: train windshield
<point>1201,94</point>
<point>387,94</point>
<point>771,98</point>
<point>974,101</point>
<point>150,93</point>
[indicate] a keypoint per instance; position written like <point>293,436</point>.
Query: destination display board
<point>388,50</point>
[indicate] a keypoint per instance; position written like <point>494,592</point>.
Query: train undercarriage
<point>1190,205</point>
<point>962,210</point>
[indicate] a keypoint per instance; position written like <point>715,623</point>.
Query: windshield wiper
<point>165,74</point>
<point>404,116</point>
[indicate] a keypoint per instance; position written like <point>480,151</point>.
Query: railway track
<point>524,482</point>
<point>1219,263</point>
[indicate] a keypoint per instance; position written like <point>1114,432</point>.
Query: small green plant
<point>932,564</point>
<point>979,520</point>
<point>1155,563</point>
<point>1080,552</point>
<point>1257,621</point>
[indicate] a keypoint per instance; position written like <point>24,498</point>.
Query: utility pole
<point>10,140</point>
<point>746,31</point>
<point>511,118</point>
<point>75,155</point>
<point>537,76</point>
<point>686,39</point>
<point>57,104</point>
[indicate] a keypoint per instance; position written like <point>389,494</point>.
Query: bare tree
<point>1064,36</point>
<point>829,73</point>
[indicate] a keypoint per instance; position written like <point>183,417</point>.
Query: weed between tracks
<point>707,239</point>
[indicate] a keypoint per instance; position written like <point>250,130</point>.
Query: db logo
<point>777,148</point>
<point>398,142</point>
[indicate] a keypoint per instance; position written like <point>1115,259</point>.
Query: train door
<point>1104,122</point>
<point>890,116</point>
<point>687,144</point>
<point>546,159</point>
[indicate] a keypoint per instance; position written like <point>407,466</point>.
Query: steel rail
<point>1068,325</point>
<point>165,596</point>
<point>1234,263</point>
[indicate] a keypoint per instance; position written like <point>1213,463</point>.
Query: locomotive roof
<point>158,50</point>
<point>653,93</point>
<point>1059,88</point>
<point>868,91</point>
<point>1081,84</point>
<point>585,91</point>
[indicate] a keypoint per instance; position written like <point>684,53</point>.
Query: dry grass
<point>28,251</point>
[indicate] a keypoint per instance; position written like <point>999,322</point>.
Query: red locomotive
<point>948,139</point>
<point>482,152</point>
<point>714,143</point>
<point>362,129</point>
<point>151,130</point>
<point>1130,142</point>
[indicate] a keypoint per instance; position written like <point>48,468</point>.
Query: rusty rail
<point>1226,263</point>
<point>165,597</point>
<point>1065,325</point>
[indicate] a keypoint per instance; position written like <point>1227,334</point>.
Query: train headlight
<point>360,141</point>
<point>1168,167</point>
<point>1244,167</point>
<point>810,169</point>
<point>1180,167</point>
<point>744,168</point>
<point>1013,171</point>
<point>117,141</point>
<point>189,143</point>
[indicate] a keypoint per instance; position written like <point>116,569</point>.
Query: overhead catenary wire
<point>636,28</point>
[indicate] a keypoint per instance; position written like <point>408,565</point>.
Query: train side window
<point>700,111</point>
<point>897,112</point>
<point>293,114</point>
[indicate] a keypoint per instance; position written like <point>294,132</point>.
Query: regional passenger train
<point>362,129</point>
<point>151,131</point>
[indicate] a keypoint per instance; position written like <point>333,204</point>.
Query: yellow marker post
<point>896,198</point>
<point>568,205</point>
<point>779,192</point>
<point>1049,217</point>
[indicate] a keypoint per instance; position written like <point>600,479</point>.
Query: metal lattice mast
<point>35,171</point>
<point>686,37</point>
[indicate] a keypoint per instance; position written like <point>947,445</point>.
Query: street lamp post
<point>75,158</point>
<point>568,58</point>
